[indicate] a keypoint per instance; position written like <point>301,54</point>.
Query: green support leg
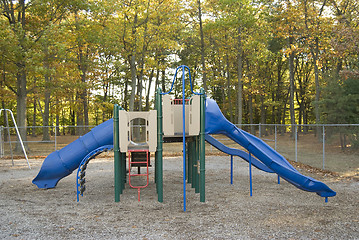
<point>159,146</point>
<point>120,175</point>
<point>196,175</point>
<point>117,160</point>
<point>202,149</point>
<point>156,162</point>
<point>156,170</point>
<point>190,161</point>
<point>124,174</point>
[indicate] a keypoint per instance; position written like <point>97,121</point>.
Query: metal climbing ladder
<point>138,158</point>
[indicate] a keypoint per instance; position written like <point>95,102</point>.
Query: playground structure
<point>8,135</point>
<point>184,121</point>
<point>199,117</point>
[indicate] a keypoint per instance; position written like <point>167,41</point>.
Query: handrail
<point>184,67</point>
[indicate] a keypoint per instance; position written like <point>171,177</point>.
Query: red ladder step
<point>138,163</point>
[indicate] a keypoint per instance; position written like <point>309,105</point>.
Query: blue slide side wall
<point>62,163</point>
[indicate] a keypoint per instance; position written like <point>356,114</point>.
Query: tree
<point>28,22</point>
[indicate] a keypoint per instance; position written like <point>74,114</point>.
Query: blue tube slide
<point>216,123</point>
<point>62,163</point>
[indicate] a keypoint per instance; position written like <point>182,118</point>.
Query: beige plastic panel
<point>168,116</point>
<point>194,116</point>
<point>173,117</point>
<point>124,130</point>
<point>151,128</point>
<point>177,110</point>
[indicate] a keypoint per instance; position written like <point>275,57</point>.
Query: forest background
<point>67,62</point>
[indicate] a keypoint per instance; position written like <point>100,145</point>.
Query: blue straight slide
<point>62,163</point>
<point>236,152</point>
<point>216,123</point>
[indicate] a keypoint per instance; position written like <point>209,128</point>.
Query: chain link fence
<point>333,147</point>
<point>39,141</point>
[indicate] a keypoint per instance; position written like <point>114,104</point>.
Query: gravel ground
<point>273,212</point>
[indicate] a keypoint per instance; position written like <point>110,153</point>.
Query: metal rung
<point>134,175</point>
<point>82,189</point>
<point>82,181</point>
<point>139,162</point>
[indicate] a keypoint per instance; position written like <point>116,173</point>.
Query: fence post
<point>260,130</point>
<point>323,146</point>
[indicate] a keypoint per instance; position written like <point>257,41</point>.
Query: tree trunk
<point>34,119</point>
<point>149,90</point>
<point>82,65</point>
<point>5,117</point>
<point>57,117</point>
<point>2,101</point>
<point>133,81</point>
<point>315,53</point>
<point>279,86</point>
<point>133,64</point>
<point>291,83</point>
<point>204,74</point>
<point>45,117</point>
<point>229,89</point>
<point>21,81</point>
<point>271,129</point>
<point>284,129</point>
<point>86,110</point>
<point>239,72</point>
<point>105,88</point>
<point>79,114</point>
<point>73,122</point>
<point>21,106</point>
<point>139,86</point>
<point>163,80</point>
<point>263,116</point>
<point>250,100</point>
<point>157,78</point>
<point>125,93</point>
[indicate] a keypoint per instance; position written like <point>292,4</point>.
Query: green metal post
<point>120,169</point>
<point>156,171</point>
<point>124,174</point>
<point>202,148</point>
<point>196,167</point>
<point>190,161</point>
<point>156,108</point>
<point>116,148</point>
<point>159,146</point>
